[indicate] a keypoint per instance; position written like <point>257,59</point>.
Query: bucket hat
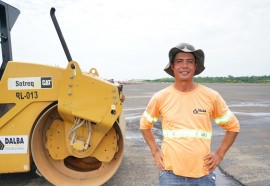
<point>185,47</point>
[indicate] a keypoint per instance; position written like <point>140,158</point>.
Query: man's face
<point>184,66</point>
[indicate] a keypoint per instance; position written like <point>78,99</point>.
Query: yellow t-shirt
<point>187,128</point>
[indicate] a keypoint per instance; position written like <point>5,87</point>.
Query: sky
<point>130,39</point>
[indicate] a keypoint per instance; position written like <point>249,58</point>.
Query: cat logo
<point>46,82</point>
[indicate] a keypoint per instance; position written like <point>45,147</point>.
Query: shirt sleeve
<point>151,114</point>
<point>223,116</point>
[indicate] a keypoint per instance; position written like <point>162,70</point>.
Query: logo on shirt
<point>199,111</point>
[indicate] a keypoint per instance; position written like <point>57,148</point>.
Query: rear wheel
<point>71,170</point>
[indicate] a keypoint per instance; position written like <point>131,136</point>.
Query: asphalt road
<point>246,163</point>
<point>248,160</point>
<point>138,158</point>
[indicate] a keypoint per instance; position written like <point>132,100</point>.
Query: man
<point>186,110</point>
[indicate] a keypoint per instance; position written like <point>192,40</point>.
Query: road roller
<point>65,123</point>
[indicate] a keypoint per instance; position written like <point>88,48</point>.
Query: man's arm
<point>213,160</point>
<point>157,153</point>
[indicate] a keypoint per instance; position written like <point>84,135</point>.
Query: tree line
<point>228,79</point>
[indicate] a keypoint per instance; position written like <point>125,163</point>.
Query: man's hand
<point>157,153</point>
<point>159,157</point>
<point>211,161</point>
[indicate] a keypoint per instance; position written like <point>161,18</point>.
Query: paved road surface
<point>248,160</point>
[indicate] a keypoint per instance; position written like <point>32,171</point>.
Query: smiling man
<point>186,110</point>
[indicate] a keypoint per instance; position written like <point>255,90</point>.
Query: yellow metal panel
<point>24,70</point>
<point>88,97</point>
<point>17,72</point>
<point>19,125</point>
<point>56,143</point>
<point>107,147</point>
<point>14,163</point>
<point>29,103</point>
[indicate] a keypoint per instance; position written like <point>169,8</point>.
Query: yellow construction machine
<point>66,122</point>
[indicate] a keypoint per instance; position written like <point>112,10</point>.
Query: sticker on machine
<point>13,144</point>
<point>27,83</point>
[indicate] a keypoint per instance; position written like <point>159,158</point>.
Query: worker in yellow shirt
<point>186,110</point>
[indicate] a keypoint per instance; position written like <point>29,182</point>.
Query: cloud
<point>131,39</point>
